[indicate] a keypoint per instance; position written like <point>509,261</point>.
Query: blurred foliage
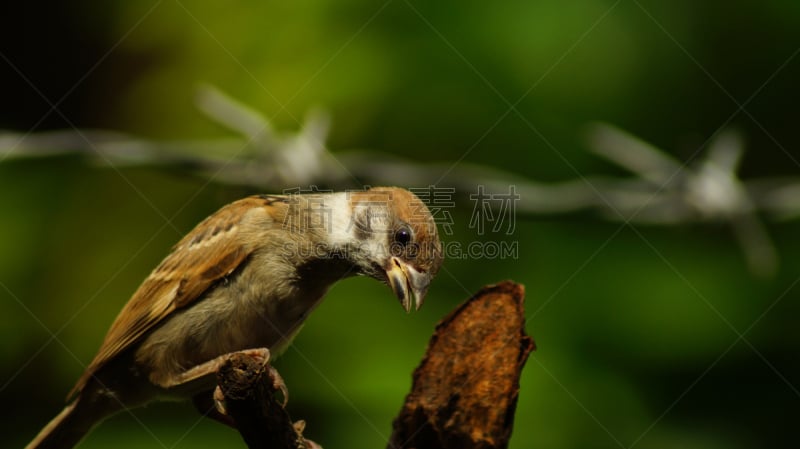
<point>638,331</point>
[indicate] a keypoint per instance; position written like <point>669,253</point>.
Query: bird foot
<point>261,356</point>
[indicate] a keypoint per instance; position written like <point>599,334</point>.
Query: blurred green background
<point>648,337</point>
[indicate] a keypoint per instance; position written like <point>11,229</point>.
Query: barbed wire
<point>659,191</point>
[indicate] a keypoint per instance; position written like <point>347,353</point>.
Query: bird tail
<point>65,430</point>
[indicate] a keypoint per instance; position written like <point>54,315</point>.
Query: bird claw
<point>278,384</point>
<point>219,401</point>
<point>260,355</point>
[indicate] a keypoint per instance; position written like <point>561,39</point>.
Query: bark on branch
<point>465,390</point>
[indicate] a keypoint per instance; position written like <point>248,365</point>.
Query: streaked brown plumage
<point>246,277</point>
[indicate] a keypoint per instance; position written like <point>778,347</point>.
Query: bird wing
<point>211,251</point>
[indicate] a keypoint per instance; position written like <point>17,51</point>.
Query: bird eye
<point>402,236</point>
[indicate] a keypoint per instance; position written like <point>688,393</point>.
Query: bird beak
<point>406,281</point>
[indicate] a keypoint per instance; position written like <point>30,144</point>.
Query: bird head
<point>398,240</point>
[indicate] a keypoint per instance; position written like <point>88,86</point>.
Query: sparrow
<point>246,278</point>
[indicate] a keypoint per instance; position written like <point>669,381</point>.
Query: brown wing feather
<point>211,251</point>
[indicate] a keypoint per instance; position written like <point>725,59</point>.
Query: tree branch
<point>465,390</point>
<point>249,390</point>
